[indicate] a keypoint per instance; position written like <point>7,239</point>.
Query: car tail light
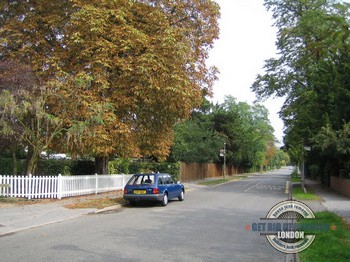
<point>125,191</point>
<point>155,191</point>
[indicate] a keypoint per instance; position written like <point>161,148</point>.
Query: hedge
<point>126,166</point>
<point>52,167</point>
<point>6,166</point>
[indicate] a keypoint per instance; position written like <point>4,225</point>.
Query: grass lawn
<point>332,245</point>
<point>96,203</point>
<point>16,201</point>
<point>299,194</point>
<point>87,201</point>
<point>295,177</point>
<point>219,181</point>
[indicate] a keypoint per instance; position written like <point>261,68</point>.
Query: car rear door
<point>170,186</point>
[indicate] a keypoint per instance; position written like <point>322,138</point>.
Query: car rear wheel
<point>165,200</point>
<point>181,196</point>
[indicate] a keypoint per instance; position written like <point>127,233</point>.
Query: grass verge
<point>332,245</point>
<point>215,182</point>
<point>16,201</point>
<point>96,203</point>
<point>99,201</point>
<point>295,177</point>
<point>299,194</point>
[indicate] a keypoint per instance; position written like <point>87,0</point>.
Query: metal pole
<point>305,149</point>
<point>224,160</point>
<point>303,168</point>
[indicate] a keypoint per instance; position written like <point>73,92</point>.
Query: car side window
<point>160,180</point>
<point>168,180</point>
<point>171,181</point>
<point>135,180</point>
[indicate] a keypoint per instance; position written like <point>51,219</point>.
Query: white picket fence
<point>59,186</point>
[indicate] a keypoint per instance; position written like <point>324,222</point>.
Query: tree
<point>246,130</point>
<point>311,71</point>
<point>13,78</point>
<point>136,67</point>
<point>26,119</point>
<point>196,141</point>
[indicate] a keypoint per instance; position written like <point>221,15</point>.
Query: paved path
<point>331,200</point>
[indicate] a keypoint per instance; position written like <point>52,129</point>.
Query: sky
<point>247,39</point>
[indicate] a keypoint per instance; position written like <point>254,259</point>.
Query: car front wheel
<point>181,196</point>
<point>165,200</point>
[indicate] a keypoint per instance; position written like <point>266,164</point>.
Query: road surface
<point>212,224</point>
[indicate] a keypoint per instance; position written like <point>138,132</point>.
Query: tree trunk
<point>31,161</point>
<point>101,165</point>
<point>14,158</point>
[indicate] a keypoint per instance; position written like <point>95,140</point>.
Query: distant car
<point>153,187</point>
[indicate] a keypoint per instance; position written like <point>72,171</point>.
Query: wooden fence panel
<point>200,171</point>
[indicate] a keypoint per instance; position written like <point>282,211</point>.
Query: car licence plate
<point>139,192</point>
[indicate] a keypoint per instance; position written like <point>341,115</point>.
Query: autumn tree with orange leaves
<point>127,70</point>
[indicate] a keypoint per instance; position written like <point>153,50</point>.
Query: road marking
<point>287,188</point>
<point>264,187</point>
<point>248,189</point>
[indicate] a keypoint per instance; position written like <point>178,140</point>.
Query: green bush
<point>146,167</point>
<point>53,167</point>
<point>82,167</point>
<point>314,170</point>
<point>119,166</point>
<point>50,167</point>
<point>6,166</point>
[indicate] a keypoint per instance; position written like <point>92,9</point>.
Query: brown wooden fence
<point>199,171</point>
<point>342,185</point>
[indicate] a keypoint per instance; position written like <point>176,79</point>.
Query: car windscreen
<point>142,180</point>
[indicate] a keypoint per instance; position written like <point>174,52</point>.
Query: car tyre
<point>164,200</point>
<point>182,196</point>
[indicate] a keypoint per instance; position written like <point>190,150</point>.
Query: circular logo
<point>285,236</point>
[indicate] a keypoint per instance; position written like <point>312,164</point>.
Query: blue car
<point>153,187</point>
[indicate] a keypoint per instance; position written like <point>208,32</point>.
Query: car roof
<point>154,174</point>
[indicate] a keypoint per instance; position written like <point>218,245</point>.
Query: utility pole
<point>223,153</point>
<point>305,149</point>
<point>224,160</point>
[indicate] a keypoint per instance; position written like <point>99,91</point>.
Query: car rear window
<point>142,180</point>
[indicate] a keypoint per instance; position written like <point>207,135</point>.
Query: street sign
<point>222,152</point>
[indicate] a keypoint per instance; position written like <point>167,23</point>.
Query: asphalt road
<point>212,224</point>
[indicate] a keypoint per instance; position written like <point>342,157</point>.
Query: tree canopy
<point>312,72</point>
<point>245,129</point>
<point>116,74</point>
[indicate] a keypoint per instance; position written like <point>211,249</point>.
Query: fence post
<point>59,186</point>
<point>96,183</point>
<point>29,186</point>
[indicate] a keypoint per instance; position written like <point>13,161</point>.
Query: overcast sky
<point>247,39</point>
